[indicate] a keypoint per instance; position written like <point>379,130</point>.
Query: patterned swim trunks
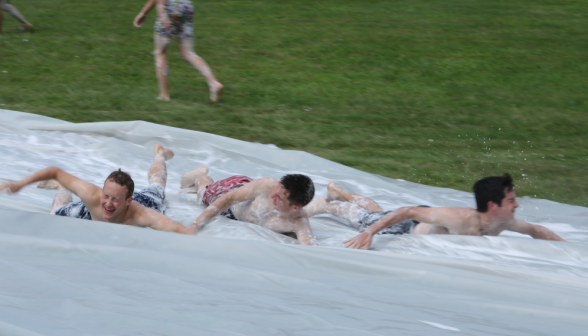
<point>367,218</point>
<point>151,197</point>
<point>181,14</point>
<point>217,189</point>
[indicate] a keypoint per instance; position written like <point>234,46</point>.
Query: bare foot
<point>165,98</point>
<point>167,153</point>
<point>216,92</point>
<point>25,26</point>
<point>333,193</point>
<point>187,179</point>
<point>49,184</point>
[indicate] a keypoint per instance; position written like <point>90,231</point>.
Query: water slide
<point>64,276</point>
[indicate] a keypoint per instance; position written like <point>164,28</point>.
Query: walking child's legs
<point>334,193</point>
<point>161,69</point>
<point>15,14</point>
<point>188,54</point>
<point>196,180</point>
<point>158,170</point>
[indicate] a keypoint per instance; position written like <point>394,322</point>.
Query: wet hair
<point>124,179</point>
<point>492,188</point>
<point>300,189</point>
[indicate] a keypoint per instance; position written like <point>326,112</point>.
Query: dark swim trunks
<point>151,197</point>
<point>367,218</point>
<point>217,189</point>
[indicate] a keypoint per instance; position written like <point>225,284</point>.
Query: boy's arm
<point>535,231</point>
<point>304,233</point>
<point>138,22</point>
<point>87,192</point>
<point>448,217</point>
<point>249,191</point>
<point>153,219</point>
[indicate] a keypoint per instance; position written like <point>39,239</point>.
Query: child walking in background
<point>175,19</point>
<point>5,7</point>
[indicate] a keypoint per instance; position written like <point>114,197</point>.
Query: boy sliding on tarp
<point>276,205</point>
<point>116,202</point>
<point>496,204</point>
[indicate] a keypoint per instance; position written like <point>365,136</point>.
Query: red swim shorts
<point>217,189</point>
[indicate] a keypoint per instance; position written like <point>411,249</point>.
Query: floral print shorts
<point>181,14</point>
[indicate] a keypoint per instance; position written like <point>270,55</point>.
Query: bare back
<point>462,221</point>
<point>253,203</point>
<point>261,211</point>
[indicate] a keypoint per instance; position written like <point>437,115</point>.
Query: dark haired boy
<point>496,204</point>
<point>116,202</point>
<point>276,205</point>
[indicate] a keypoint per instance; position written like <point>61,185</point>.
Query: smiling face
<point>507,208</point>
<point>280,200</point>
<point>114,202</point>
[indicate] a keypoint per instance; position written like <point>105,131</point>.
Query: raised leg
<point>160,52</point>
<point>158,170</point>
<point>344,210</point>
<point>196,180</point>
<point>188,54</point>
<point>62,198</point>
<point>334,193</point>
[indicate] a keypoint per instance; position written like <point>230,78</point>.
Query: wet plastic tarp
<point>64,276</point>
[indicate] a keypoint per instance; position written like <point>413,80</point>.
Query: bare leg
<point>161,69</point>
<point>334,193</point>
<point>196,180</point>
<point>187,51</point>
<point>24,24</point>
<point>344,210</point>
<point>62,198</point>
<point>158,170</point>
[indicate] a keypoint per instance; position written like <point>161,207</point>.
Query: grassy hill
<point>436,92</point>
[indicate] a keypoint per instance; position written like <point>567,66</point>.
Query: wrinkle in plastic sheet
<point>63,276</point>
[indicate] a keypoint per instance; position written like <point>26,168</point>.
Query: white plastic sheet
<point>63,276</point>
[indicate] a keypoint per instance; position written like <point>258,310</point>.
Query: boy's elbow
<point>55,170</point>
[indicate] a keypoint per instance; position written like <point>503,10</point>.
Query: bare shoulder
<point>517,225</point>
<point>266,182</point>
<point>262,186</point>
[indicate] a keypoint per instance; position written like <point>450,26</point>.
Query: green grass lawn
<point>437,92</point>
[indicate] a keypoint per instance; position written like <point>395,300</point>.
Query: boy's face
<point>508,205</point>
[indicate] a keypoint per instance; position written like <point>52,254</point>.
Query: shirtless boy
<point>116,202</point>
<point>496,204</point>
<point>276,205</point>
